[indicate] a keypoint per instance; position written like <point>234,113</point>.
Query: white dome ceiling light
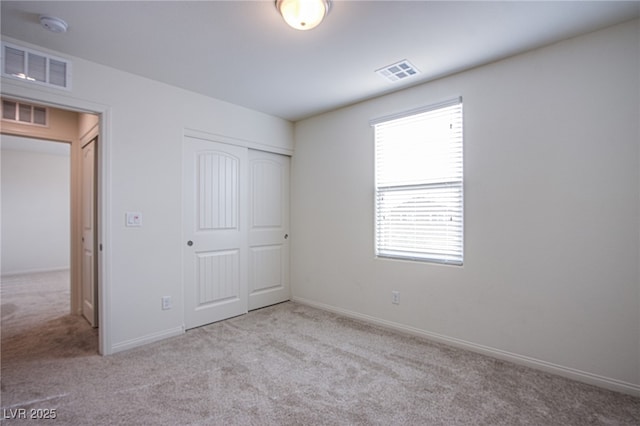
<point>303,14</point>
<point>53,24</point>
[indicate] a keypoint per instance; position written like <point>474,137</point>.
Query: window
<point>24,113</point>
<point>419,184</point>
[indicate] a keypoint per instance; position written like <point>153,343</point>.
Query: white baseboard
<point>145,340</point>
<point>35,271</point>
<point>568,372</point>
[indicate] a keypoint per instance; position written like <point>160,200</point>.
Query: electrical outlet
<point>133,219</point>
<point>166,302</point>
<point>395,297</point>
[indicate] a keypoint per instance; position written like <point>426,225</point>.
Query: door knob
<point>286,236</point>
<point>189,243</point>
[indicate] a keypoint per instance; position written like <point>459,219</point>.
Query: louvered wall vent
<point>35,67</point>
<point>24,113</point>
<point>398,71</point>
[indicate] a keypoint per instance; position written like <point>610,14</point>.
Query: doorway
<point>36,255</point>
<point>76,129</point>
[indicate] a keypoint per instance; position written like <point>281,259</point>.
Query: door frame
<point>21,92</point>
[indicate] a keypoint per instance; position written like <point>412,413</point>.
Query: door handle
<point>189,243</point>
<point>286,236</point>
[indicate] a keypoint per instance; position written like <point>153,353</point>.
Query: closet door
<point>268,229</point>
<point>214,231</point>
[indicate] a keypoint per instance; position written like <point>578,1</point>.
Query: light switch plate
<point>133,219</point>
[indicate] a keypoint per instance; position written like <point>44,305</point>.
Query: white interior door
<point>89,284</point>
<point>268,229</point>
<point>215,234</point>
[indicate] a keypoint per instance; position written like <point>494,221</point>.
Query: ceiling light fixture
<point>303,14</point>
<point>53,24</point>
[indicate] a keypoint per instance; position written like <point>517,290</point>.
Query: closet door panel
<point>268,229</point>
<point>214,237</point>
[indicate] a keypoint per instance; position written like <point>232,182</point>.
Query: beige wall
<point>87,125</point>
<point>63,126</point>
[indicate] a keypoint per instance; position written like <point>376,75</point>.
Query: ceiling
<point>243,52</point>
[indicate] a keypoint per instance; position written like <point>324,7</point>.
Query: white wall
<point>550,275</point>
<point>143,127</point>
<point>35,208</point>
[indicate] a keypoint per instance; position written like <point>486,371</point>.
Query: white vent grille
<point>35,67</point>
<point>398,71</point>
<point>24,113</point>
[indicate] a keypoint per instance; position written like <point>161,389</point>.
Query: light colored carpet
<point>288,364</point>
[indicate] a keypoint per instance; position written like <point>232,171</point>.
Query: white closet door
<point>215,234</point>
<point>268,229</point>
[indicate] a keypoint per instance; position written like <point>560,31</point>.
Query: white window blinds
<point>419,184</point>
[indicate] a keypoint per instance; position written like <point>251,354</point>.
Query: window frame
<point>421,197</point>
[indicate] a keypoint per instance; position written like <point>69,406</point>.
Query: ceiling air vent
<point>35,67</point>
<point>398,71</point>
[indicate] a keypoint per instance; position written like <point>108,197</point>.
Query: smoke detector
<point>53,24</point>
